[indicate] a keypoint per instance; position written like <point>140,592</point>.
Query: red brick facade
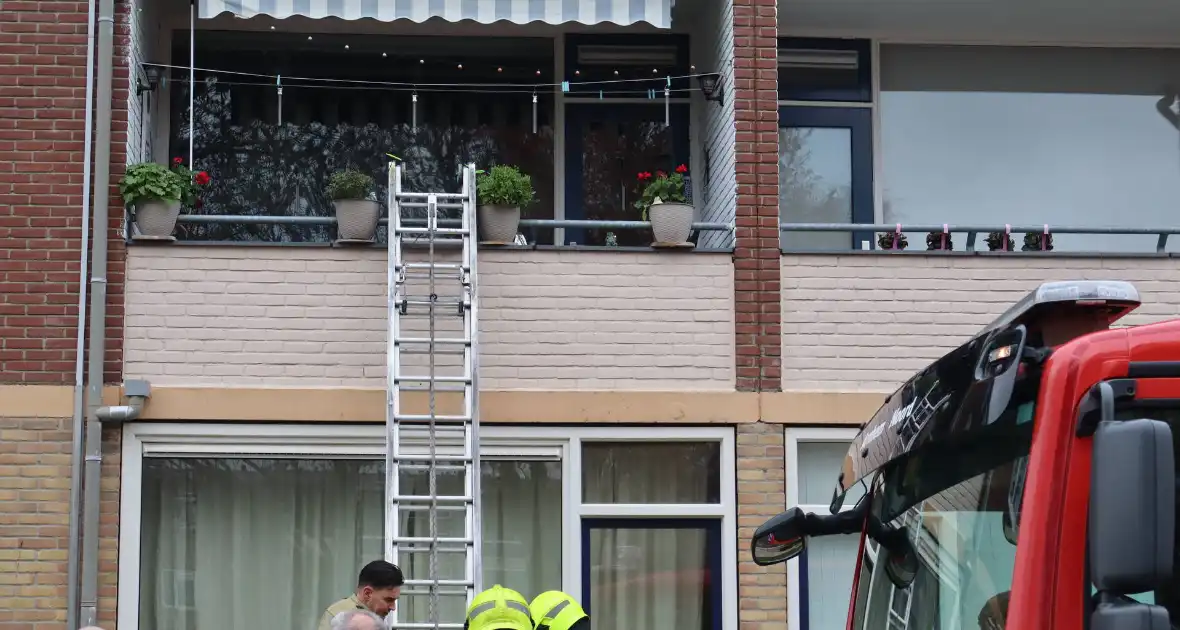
<point>42,121</point>
<point>756,257</point>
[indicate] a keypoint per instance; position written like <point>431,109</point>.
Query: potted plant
<point>1037,242</point>
<point>156,193</point>
<point>939,241</point>
<point>893,240</point>
<point>501,192</point>
<point>353,196</point>
<point>1000,240</point>
<point>664,204</point>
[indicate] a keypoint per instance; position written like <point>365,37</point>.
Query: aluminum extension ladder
<point>432,408</point>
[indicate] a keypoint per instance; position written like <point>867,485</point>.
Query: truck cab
<point>1026,480</point>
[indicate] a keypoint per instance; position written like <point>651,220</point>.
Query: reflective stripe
<point>553,612</point>
<point>486,606</point>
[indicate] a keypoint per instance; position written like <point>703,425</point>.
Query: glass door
<point>825,174</point>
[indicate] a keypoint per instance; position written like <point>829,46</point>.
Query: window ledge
<point>417,246</point>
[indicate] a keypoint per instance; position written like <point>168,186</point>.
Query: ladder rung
<point>451,498</point>
<point>424,378</point>
<point>439,387</point>
<point>430,626</point>
<point>427,467</point>
<point>441,231</point>
<point>426,458</point>
<point>422,540</point>
<point>426,418</point>
<point>423,265</point>
<point>436,340</point>
<point>422,195</point>
<point>427,548</point>
<point>441,301</point>
<point>432,583</point>
<point>426,508</point>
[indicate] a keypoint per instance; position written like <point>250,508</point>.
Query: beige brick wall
<point>868,322</point>
<point>317,317</point>
<point>34,523</point>
<point>761,494</point>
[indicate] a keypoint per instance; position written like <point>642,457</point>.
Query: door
<point>606,147</point>
<point>825,171</point>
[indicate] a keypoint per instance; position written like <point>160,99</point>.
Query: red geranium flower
<point>644,175</point>
<point>682,169</point>
<point>661,174</point>
<point>177,161</point>
<point>201,178</point>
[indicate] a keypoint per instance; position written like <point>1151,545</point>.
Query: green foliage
<point>150,181</point>
<point>350,184</point>
<point>669,189</point>
<point>504,186</point>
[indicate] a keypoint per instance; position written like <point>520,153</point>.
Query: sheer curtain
<point>269,543</point>
<point>651,576</point>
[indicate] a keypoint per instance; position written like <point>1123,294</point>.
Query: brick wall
<point>34,523</point>
<point>317,317</point>
<point>761,494</point>
<point>42,109</point>
<point>868,322</point>
<point>756,255</point>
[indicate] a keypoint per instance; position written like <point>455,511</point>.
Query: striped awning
<point>658,13</point>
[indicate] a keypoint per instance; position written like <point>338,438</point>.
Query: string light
<point>393,85</point>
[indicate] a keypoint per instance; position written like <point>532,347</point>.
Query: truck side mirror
<point>1132,521</point>
<point>780,539</point>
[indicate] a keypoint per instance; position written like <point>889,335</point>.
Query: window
<point>216,518</point>
<point>271,151</point>
<point>820,584</point>
<point>607,142</point>
<point>1057,136</point>
<point>825,142</point>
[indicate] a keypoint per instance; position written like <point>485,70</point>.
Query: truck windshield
<point>960,506</point>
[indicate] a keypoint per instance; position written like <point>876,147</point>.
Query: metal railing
<point>973,231</point>
<point>330,221</point>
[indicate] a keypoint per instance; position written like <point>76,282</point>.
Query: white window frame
<point>792,437</point>
<point>367,441</point>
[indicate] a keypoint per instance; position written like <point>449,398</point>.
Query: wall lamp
<point>153,80</point>
<point>711,87</point>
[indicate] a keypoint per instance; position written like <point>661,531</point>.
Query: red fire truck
<point>1026,480</point>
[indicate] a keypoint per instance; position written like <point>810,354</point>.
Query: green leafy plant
<point>149,181</point>
<point>667,188</point>
<point>504,186</point>
<point>350,184</point>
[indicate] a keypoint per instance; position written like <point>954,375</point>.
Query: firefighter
<point>498,608</point>
<point>555,610</point>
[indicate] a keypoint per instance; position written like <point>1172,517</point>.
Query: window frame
<point>796,571</point>
<point>864,92</point>
<point>367,441</point>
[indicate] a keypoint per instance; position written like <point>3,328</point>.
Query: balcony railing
<point>880,237</point>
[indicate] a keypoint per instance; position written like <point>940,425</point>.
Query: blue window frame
<point>579,116</point>
<point>858,123</point>
<point>823,69</point>
<point>712,529</point>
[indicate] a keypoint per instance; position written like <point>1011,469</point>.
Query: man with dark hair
<point>377,589</point>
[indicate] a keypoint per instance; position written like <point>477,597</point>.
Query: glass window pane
<point>831,563</point>
<point>273,155</point>
<point>220,535</point>
<point>1057,136</point>
<point>819,466</point>
<point>651,472</point>
<point>614,152</point>
<point>654,579</point>
<point>815,184</point>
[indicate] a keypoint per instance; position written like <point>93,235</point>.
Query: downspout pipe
<point>79,420</point>
<point>92,472</point>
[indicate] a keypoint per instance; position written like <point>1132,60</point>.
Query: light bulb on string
<point>309,38</point>
<point>421,61</point>
<point>538,73</point>
<point>654,70</point>
<point>499,69</point>
<point>384,54</point>
<point>616,73</point>
<point>577,73</point>
<point>346,47</point>
<point>272,27</point>
<point>460,66</point>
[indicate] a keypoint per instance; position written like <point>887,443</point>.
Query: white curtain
<point>268,543</point>
<point>651,576</point>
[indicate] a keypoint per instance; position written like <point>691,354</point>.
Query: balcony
<point>866,320</point>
